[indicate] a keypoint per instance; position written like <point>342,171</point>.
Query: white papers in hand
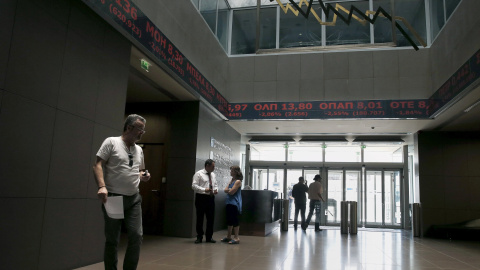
<point>114,207</point>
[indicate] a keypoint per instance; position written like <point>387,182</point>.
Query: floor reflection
<point>328,249</point>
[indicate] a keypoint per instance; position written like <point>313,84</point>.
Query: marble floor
<point>371,249</point>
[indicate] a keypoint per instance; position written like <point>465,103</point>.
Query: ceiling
<point>157,86</point>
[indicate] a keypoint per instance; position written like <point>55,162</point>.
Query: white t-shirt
<point>118,175</point>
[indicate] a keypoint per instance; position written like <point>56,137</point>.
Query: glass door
<point>378,197</point>
<point>309,174</point>
<point>334,195</point>
<point>343,185</point>
<point>276,181</point>
<point>260,179</point>
<point>374,199</point>
<point>383,205</point>
<point>352,183</point>
<point>292,179</point>
<point>268,179</point>
<point>352,189</point>
<point>393,216</point>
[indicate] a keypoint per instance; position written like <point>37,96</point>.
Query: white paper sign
<point>114,207</point>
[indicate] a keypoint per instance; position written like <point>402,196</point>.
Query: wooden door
<point>154,191</point>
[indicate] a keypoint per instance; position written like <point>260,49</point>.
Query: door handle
<point>157,192</point>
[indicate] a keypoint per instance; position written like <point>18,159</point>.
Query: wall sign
<point>382,109</point>
<point>129,17</point>
<point>222,155</point>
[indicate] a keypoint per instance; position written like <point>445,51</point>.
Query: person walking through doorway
<point>315,191</point>
<point>299,191</point>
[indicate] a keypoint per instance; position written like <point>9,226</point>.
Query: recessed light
<point>472,106</point>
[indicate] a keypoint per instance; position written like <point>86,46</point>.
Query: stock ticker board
<point>138,27</point>
<point>386,109</point>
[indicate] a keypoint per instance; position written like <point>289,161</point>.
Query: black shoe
<point>318,230</point>
<point>198,241</point>
<point>295,228</point>
<point>210,241</point>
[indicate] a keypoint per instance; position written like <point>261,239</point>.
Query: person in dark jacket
<point>298,193</point>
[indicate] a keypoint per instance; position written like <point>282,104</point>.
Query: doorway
<point>383,198</point>
<point>377,192</point>
<point>154,191</point>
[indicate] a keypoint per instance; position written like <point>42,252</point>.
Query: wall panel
<point>58,67</point>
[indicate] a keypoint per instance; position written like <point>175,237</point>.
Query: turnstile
<point>348,225</point>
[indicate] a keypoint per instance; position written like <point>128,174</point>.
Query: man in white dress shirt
<point>205,186</point>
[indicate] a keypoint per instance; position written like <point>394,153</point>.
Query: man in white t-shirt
<point>118,170</point>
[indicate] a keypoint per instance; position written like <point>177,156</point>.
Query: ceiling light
<point>472,106</point>
<point>378,140</point>
<point>322,139</point>
<point>271,139</point>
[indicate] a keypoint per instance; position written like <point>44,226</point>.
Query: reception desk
<point>261,212</point>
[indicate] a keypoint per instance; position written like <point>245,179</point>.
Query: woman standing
<point>234,205</point>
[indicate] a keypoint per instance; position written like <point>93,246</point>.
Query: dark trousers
<point>299,207</point>
<point>132,208</point>
<point>205,206</point>
<point>314,205</point>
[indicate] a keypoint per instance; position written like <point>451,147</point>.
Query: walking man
<point>315,191</point>
<point>298,193</point>
<point>118,171</point>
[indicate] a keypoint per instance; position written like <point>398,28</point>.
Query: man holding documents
<point>118,170</point>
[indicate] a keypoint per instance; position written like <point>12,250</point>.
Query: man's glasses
<point>141,130</point>
<point>130,157</point>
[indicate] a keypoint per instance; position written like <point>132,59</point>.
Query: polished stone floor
<point>371,249</point>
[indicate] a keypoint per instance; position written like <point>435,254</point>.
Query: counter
<point>261,212</point>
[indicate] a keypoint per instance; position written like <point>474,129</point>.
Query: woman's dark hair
<point>238,173</point>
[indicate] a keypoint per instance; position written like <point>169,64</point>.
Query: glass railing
<point>349,23</point>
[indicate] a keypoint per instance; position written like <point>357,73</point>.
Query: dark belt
<point>207,195</point>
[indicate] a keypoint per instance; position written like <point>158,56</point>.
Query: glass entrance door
<point>378,197</point>
<point>393,212</point>
<point>292,179</point>
<point>343,185</point>
<point>268,179</point>
<point>352,183</point>
<point>309,174</point>
<point>374,198</point>
<point>274,179</point>
<point>335,196</point>
<point>383,205</point>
